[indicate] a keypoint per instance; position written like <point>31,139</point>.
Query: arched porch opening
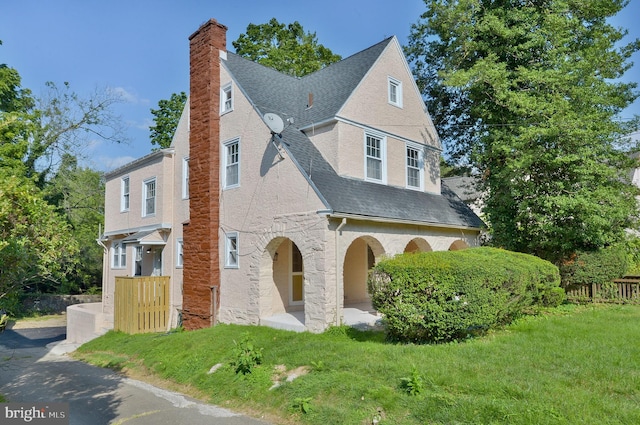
<point>417,245</point>
<point>359,258</point>
<point>458,245</point>
<point>281,300</point>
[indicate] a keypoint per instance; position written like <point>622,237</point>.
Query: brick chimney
<point>201,272</point>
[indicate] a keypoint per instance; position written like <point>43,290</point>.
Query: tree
<point>166,118</point>
<point>286,48</point>
<point>528,92</point>
<point>78,195</point>
<point>36,244</point>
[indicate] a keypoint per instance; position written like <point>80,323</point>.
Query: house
<point>465,187</point>
<point>279,193</point>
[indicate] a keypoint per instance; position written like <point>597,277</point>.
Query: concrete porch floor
<point>357,316</point>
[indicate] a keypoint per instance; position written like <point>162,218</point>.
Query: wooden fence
<point>141,304</point>
<point>626,289</point>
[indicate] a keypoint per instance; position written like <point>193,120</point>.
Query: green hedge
<point>450,295</point>
<point>596,267</point>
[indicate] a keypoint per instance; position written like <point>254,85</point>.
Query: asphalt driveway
<point>34,368</point>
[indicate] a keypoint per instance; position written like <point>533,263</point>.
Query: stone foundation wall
<point>49,303</point>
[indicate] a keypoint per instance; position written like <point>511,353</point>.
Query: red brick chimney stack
<point>201,273</point>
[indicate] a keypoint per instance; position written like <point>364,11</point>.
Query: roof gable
<point>271,91</point>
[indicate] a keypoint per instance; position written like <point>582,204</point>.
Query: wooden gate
<point>141,304</point>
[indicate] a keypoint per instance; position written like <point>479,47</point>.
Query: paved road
<point>31,371</point>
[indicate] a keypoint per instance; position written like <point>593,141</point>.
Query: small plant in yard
<point>318,366</point>
<point>414,384</point>
<point>302,404</point>
<point>246,356</point>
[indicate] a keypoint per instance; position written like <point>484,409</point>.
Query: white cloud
<point>105,163</point>
<point>128,96</point>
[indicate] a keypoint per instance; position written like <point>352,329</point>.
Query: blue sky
<point>140,47</point>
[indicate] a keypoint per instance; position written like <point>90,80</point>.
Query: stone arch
<point>417,245</point>
<point>281,278</point>
<point>458,245</point>
<point>360,256</point>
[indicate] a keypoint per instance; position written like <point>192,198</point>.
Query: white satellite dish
<point>274,122</point>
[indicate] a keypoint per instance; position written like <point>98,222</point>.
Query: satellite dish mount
<point>276,125</point>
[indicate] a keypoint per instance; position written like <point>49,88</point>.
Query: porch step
<point>286,321</point>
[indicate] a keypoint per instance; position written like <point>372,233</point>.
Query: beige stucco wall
<point>273,202</point>
<point>368,109</point>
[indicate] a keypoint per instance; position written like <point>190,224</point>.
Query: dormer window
<point>395,92</point>
<point>226,99</point>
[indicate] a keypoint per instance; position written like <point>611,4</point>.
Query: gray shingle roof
<point>271,91</point>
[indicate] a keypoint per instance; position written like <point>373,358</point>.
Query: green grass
<point>573,365</point>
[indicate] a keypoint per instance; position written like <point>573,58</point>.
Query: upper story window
<point>185,178</point>
<point>231,250</point>
<point>149,197</point>
<point>395,92</point>
<point>118,255</point>
<point>226,98</point>
<point>375,158</point>
<point>415,167</point>
<point>124,194</point>
<point>232,164</point>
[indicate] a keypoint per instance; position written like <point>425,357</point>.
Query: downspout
<point>338,232</point>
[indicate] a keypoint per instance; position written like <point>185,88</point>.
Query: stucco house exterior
<point>253,225</point>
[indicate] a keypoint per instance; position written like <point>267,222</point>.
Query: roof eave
<point>339,215</point>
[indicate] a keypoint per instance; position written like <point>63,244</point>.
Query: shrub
<point>632,248</point>
<point>443,296</point>
<point>595,267</point>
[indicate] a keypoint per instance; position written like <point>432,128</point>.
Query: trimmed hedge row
<point>450,295</point>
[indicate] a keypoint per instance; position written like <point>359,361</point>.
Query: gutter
<point>401,221</point>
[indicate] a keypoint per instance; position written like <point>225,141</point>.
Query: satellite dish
<point>274,122</point>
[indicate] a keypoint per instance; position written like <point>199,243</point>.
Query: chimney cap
<point>204,27</point>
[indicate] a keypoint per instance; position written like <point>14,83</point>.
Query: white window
<point>415,167</point>
<point>231,250</point>
<point>179,253</point>
<point>185,178</point>
<point>124,194</point>
<point>226,99</point>
<point>118,255</point>
<point>374,158</point>
<point>296,289</point>
<point>232,164</point>
<point>395,92</point>
<point>149,194</point>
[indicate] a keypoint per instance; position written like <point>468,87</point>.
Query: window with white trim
<point>124,194</point>
<point>226,99</point>
<point>395,92</point>
<point>374,158</point>
<point>118,255</point>
<point>185,178</point>
<point>149,195</point>
<point>232,164</point>
<point>231,250</point>
<point>179,253</point>
<point>415,167</point>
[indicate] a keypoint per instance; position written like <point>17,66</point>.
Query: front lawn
<point>572,365</point>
